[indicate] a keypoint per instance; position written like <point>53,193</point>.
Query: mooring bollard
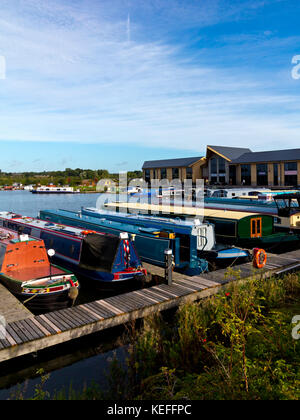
<point>168,266</point>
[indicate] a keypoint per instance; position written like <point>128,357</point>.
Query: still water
<point>79,364</point>
<point>29,204</point>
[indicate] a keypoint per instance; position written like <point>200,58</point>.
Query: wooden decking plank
<point>162,297</point>
<point>192,287</point>
<point>48,324</point>
<point>142,295</point>
<point>132,300</point>
<point>28,331</point>
<point>33,328</point>
<point>175,290</point>
<point>207,281</point>
<point>10,339</point>
<point>41,327</point>
<point>100,310</point>
<point>13,334</point>
<point>71,318</point>
<point>120,304</point>
<point>112,308</point>
<point>138,301</point>
<point>196,282</point>
<point>142,300</point>
<point>21,331</point>
<point>202,282</point>
<point>84,315</point>
<point>168,292</point>
<point>189,283</point>
<point>90,311</point>
<point>38,328</point>
<point>55,320</point>
<point>4,343</point>
<point>160,294</point>
<point>34,335</point>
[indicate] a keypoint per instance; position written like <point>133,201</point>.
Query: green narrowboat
<point>238,228</point>
<point>247,229</point>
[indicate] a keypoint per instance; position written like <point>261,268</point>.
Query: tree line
<point>72,177</point>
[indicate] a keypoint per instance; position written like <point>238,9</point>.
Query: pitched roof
<point>270,156</point>
<point>230,153</point>
<point>171,163</point>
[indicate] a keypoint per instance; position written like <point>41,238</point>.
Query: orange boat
<point>26,272</point>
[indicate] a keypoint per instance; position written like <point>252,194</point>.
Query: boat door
<point>256,227</point>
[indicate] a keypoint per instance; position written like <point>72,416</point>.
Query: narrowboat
<point>249,230</point>
<point>26,272</point>
<point>284,207</point>
<point>105,259</point>
<point>54,190</point>
<point>219,254</point>
<point>150,243</point>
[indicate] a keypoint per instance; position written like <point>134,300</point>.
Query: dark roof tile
<point>270,156</point>
<point>230,152</point>
<point>171,163</point>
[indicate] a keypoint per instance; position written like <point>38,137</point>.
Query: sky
<point>112,83</point>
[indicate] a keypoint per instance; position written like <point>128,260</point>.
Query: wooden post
<point>168,266</point>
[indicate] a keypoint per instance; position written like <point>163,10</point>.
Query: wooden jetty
<point>10,308</point>
<point>33,333</point>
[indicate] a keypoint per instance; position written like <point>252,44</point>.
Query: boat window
<point>256,227</point>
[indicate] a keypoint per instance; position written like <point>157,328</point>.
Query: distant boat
<point>27,273</point>
<point>54,190</point>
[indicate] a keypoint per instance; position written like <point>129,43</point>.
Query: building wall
<point>281,176</point>
<point>253,175</point>
<point>202,169</point>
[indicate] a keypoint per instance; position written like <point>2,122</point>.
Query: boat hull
<point>38,302</point>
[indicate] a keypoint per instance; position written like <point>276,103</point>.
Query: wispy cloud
<point>73,76</point>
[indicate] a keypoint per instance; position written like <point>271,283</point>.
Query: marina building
<point>231,166</point>
<point>185,168</point>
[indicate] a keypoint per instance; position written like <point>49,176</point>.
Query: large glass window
<point>262,173</point>
<point>189,173</point>
<point>232,175</point>
<point>275,174</point>
<point>175,173</point>
<point>147,175</point>
<point>213,167</point>
<point>222,166</point>
<point>290,173</point>
<point>246,174</point>
<point>163,173</point>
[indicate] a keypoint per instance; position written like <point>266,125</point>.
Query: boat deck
<point>33,333</point>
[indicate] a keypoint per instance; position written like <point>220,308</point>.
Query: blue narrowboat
<point>220,253</point>
<point>150,243</point>
<point>108,260</point>
<point>192,242</point>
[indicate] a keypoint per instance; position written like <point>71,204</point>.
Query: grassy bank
<point>236,345</point>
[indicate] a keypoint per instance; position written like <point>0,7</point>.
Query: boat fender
<point>73,293</point>
<point>87,232</point>
<point>259,258</point>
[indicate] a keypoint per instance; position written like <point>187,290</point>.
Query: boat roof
<point>41,224</point>
<point>142,217</point>
<point>8,236</point>
<point>102,222</point>
<point>229,214</point>
<point>187,210</point>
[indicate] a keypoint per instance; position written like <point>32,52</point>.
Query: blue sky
<point>109,84</point>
